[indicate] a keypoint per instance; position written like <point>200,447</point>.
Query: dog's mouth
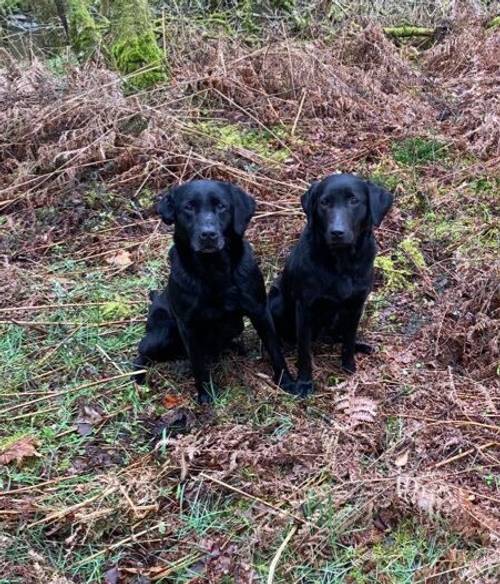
<point>338,244</point>
<point>208,248</point>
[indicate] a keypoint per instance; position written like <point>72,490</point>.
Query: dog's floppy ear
<point>166,206</point>
<point>308,198</point>
<point>243,209</point>
<point>379,201</point>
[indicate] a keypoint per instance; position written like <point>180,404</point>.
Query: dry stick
<point>32,414</point>
<point>156,573</point>
<point>38,485</point>
<point>32,323</point>
<point>29,324</point>
<point>126,226</point>
<point>67,305</point>
<point>443,573</point>
<point>117,544</point>
<point>253,497</point>
<point>72,389</point>
<point>48,355</point>
<point>110,251</point>
<point>62,513</point>
<point>466,423</point>
<point>467,452</point>
<point>297,117</point>
<point>277,555</point>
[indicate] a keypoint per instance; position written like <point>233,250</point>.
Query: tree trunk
<point>134,48</point>
<point>83,32</point>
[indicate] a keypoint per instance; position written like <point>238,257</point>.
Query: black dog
<point>329,273</point>
<point>214,282</point>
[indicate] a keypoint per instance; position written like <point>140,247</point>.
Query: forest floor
<point>388,476</point>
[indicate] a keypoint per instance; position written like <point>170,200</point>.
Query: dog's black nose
<point>337,234</point>
<point>208,235</point>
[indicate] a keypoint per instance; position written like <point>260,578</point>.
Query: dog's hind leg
<point>162,341</point>
<point>283,319</point>
<point>334,335</point>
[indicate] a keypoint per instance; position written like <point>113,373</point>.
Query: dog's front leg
<point>348,327</point>
<point>263,324</point>
<point>304,362</point>
<point>198,361</point>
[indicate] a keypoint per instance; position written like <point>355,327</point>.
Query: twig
<point>466,423</point>
<point>54,350</point>
<point>29,324</point>
<point>71,389</point>
<point>118,544</point>
<point>253,497</point>
<point>463,454</point>
<point>39,485</point>
<point>33,323</point>
<point>62,513</point>
<point>32,414</point>
<point>299,111</point>
<point>34,307</point>
<point>277,555</point>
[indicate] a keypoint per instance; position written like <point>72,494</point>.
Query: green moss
<point>388,180</point>
<point>397,271</point>
<point>395,277</point>
<point>261,142</point>
<point>134,49</point>
<point>84,34</point>
<point>494,22</point>
<point>417,151</point>
<point>411,250</point>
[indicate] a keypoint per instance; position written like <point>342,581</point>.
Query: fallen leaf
<point>121,259</point>
<point>176,421</point>
<point>84,428</point>
<point>111,576</point>
<point>89,416</point>
<point>25,447</point>
<point>172,401</point>
<point>402,458</point>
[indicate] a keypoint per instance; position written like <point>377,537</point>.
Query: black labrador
<point>214,282</point>
<point>329,274</point>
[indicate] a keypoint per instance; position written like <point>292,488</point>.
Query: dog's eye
<point>189,206</point>
<point>220,206</point>
<point>353,200</point>
<point>324,202</point>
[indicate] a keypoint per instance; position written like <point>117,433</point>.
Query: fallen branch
<point>253,497</point>
<point>279,552</point>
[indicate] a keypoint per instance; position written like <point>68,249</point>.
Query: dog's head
<point>206,213</point>
<point>341,206</point>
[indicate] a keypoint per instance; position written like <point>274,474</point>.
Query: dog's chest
<point>339,286</point>
<point>216,301</point>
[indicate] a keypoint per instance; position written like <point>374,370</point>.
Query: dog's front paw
<point>287,384</point>
<point>305,388</point>
<point>139,378</point>
<point>363,348</point>
<point>348,364</point>
<point>204,398</point>
<point>208,393</point>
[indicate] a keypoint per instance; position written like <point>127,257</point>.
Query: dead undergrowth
<point>113,480</point>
